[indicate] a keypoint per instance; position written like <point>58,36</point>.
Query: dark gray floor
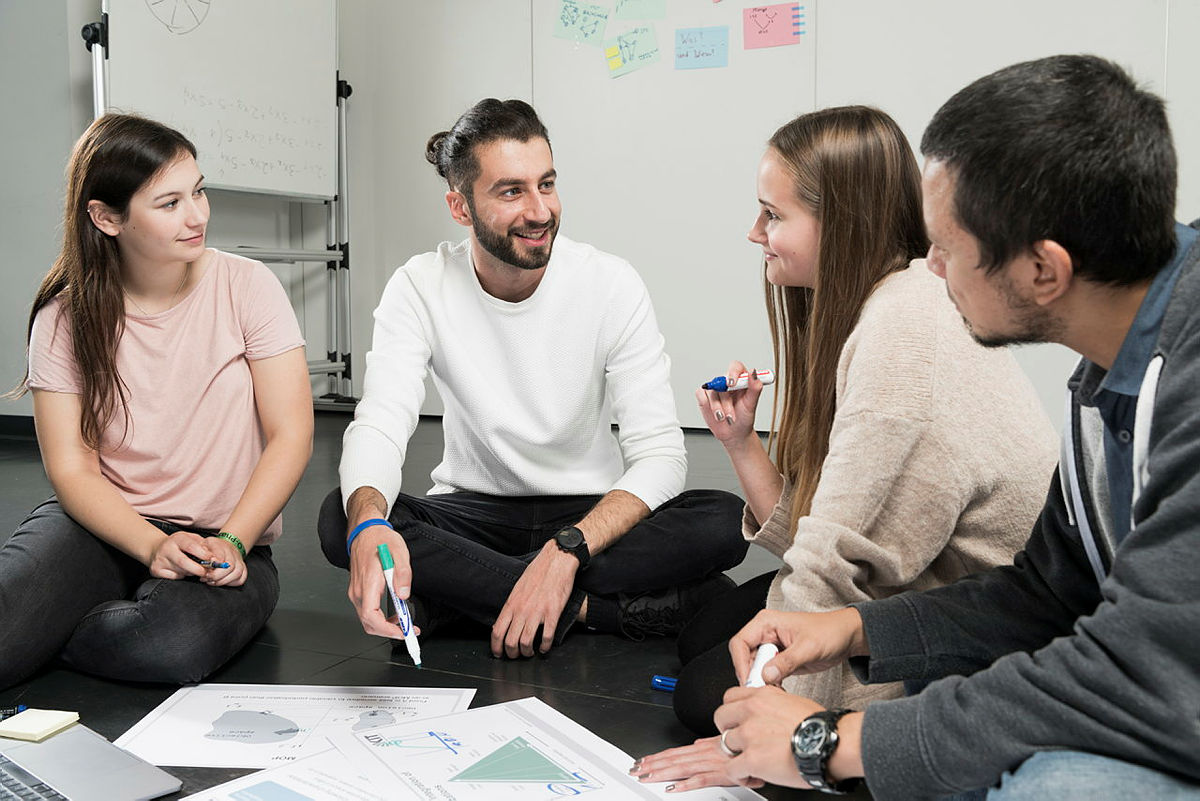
<point>600,681</point>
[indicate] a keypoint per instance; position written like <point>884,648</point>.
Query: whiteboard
<point>252,84</point>
<point>658,166</point>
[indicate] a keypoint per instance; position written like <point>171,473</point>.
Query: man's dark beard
<point>1032,325</point>
<point>501,245</point>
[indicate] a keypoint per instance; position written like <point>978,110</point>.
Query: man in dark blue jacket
<point>1075,672</point>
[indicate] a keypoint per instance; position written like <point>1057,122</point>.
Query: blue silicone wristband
<point>374,521</point>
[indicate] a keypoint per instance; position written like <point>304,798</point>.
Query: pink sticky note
<point>771,26</point>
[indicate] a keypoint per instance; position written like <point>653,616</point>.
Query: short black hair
<point>453,152</point>
<point>1067,148</point>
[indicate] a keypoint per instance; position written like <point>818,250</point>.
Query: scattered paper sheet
<point>325,776</point>
<point>261,725</point>
<point>517,750</point>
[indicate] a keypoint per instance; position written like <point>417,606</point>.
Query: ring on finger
<point>725,749</point>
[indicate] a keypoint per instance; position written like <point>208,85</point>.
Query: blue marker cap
<point>664,683</point>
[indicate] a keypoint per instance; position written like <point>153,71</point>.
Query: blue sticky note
<point>581,22</point>
<point>641,9</point>
<point>701,48</point>
<point>631,51</point>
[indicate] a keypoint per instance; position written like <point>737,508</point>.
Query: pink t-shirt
<point>194,435</point>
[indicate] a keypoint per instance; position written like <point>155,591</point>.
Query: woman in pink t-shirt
<point>174,417</point>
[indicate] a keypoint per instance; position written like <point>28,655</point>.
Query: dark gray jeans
<point>467,549</point>
<point>65,593</point>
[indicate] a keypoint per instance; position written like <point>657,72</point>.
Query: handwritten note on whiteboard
<point>631,51</point>
<point>772,26</point>
<point>641,9</point>
<point>701,48</point>
<point>581,22</point>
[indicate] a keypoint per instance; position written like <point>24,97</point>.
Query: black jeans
<point>704,653</point>
<point>66,593</point>
<point>467,550</point>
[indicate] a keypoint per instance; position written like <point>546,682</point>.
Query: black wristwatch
<point>813,742</point>
<point>571,540</point>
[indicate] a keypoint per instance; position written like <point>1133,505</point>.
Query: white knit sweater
<point>939,461</point>
<point>530,388</point>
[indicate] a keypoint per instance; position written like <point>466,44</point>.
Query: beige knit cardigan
<point>939,460</point>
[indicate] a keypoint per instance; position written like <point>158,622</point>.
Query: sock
<point>603,615</point>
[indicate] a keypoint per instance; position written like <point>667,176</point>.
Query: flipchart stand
<point>336,365</point>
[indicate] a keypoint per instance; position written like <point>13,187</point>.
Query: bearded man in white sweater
<point>539,516</point>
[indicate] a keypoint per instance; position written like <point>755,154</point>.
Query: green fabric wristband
<point>225,535</point>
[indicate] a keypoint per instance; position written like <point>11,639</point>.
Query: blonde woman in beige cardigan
<point>906,455</point>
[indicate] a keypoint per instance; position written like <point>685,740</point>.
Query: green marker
<point>403,617</point>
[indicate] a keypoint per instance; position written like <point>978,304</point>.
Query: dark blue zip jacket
<point>1079,645</point>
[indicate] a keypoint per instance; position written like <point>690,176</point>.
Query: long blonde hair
<point>116,156</point>
<point>854,169</point>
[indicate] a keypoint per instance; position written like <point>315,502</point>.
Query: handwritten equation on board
<point>772,26</point>
<point>581,22</point>
<point>701,48</point>
<point>246,137</point>
<point>631,51</point>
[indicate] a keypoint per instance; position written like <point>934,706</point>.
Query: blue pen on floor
<point>9,711</point>
<point>664,683</point>
<point>403,617</point>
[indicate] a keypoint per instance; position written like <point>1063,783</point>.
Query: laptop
<point>80,765</point>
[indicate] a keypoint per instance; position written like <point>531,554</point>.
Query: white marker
<point>403,617</point>
<point>766,652</point>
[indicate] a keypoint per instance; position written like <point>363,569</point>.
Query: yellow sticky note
<point>36,724</point>
<point>612,51</point>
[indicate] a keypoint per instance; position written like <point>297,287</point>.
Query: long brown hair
<point>855,171</point>
<point>116,156</point>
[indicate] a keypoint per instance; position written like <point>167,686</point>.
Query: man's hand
<point>758,723</point>
<point>366,578</point>
<point>809,642</point>
<point>537,600</point>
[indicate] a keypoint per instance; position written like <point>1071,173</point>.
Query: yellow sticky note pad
<point>612,51</point>
<point>615,63</point>
<point>36,724</point>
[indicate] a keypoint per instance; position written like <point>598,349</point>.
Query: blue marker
<point>403,616</point>
<point>722,384</point>
<point>208,562</point>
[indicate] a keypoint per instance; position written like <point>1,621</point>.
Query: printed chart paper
<point>324,776</point>
<point>517,750</point>
<point>261,725</point>
<point>772,26</point>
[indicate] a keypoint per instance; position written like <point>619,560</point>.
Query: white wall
<point>35,137</point>
<point>683,204</point>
